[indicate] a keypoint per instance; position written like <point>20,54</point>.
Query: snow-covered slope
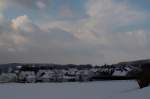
<point>90,90</point>
<point>135,94</point>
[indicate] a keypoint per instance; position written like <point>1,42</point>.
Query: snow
<point>135,94</point>
<point>86,90</point>
<point>120,73</point>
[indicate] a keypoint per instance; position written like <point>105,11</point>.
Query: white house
<point>45,75</point>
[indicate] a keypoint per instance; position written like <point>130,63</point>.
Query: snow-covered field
<point>89,90</point>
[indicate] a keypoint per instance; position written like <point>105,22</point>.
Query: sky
<point>74,31</point>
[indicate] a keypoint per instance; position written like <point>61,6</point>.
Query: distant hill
<point>136,62</point>
<point>121,65</point>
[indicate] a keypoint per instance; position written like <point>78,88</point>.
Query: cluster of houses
<point>53,75</point>
<point>32,73</point>
<point>70,73</point>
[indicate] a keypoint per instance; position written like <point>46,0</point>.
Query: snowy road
<point>90,90</point>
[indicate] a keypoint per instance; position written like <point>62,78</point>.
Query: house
<point>45,75</point>
<point>84,75</point>
<point>27,76</point>
<point>119,73</point>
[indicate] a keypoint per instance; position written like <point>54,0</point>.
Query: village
<point>32,73</point>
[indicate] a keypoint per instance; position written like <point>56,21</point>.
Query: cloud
<point>22,23</point>
<point>41,4</point>
<point>20,44</point>
<point>106,15</point>
<point>27,3</point>
<point>95,31</point>
<point>1,18</point>
<point>1,3</point>
<point>1,10</point>
<point>103,17</point>
<point>9,36</point>
<point>90,39</point>
<point>66,11</point>
<point>10,39</point>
